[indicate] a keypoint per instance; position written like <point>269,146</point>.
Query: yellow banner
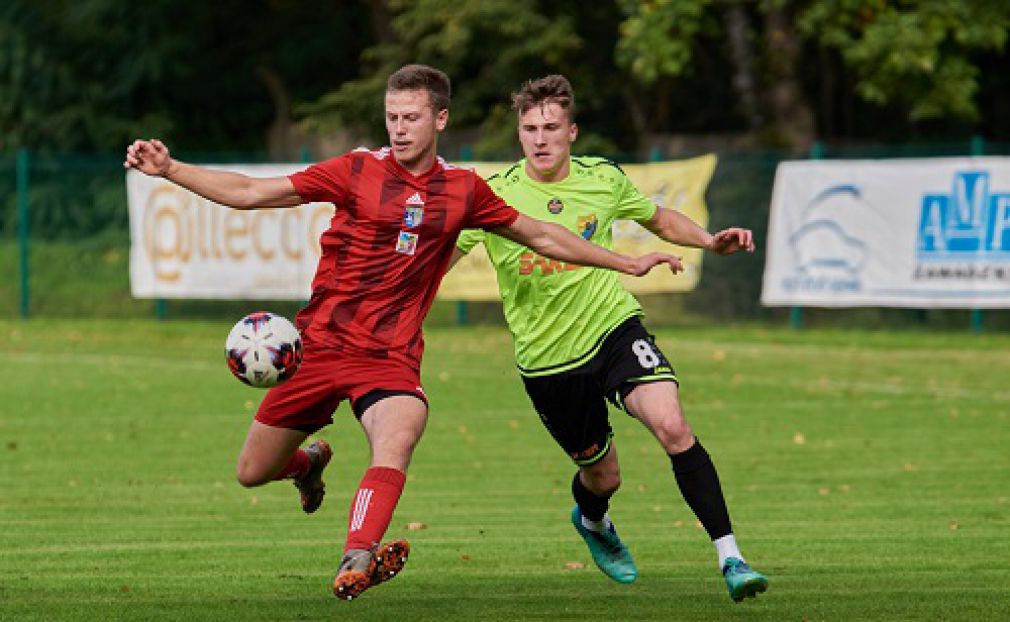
<point>678,185</point>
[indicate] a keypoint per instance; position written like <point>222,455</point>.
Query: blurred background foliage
<point>279,75</point>
<point>755,81</point>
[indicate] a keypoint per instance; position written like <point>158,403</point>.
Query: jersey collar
<point>437,165</point>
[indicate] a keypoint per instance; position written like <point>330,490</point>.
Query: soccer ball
<point>263,349</point>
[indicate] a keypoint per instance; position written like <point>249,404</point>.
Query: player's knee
<point>610,485</point>
<point>604,483</point>
<point>674,433</point>
<point>248,476</point>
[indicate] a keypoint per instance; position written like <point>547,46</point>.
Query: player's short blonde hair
<point>552,89</point>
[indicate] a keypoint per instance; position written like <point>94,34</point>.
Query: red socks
<point>296,467</point>
<point>372,507</point>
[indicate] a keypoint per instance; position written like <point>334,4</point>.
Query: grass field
<point>868,475</point>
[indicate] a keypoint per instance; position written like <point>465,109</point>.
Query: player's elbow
<point>247,198</point>
<point>251,193</point>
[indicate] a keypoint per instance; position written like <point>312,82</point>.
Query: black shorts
<point>573,404</point>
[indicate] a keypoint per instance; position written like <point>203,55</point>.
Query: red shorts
<point>306,402</point>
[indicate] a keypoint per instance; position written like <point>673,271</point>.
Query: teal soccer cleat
<point>741,581</point>
<point>608,551</point>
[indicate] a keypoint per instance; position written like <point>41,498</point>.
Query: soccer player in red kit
<point>398,213</point>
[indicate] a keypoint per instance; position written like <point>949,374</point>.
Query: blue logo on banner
<point>828,252</point>
<point>970,223</point>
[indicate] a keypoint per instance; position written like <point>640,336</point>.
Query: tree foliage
<point>657,37</point>
<point>487,46</point>
<point>92,74</point>
<point>65,68</point>
<point>914,54</point>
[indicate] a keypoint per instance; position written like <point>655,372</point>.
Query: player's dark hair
<point>423,78</point>
<point>552,89</point>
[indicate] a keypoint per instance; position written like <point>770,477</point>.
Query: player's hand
<point>642,265</point>
<point>148,156</point>
<point>732,240</point>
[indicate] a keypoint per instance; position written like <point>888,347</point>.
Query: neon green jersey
<point>560,313</point>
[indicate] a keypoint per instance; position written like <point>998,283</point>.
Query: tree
<point>92,74</point>
<point>656,43</point>
<point>65,71</point>
<point>488,47</point>
<point>917,55</point>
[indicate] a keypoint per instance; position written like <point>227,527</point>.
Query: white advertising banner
<point>184,246</point>
<point>921,233</point>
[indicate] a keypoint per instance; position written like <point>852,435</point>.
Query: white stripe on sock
<point>360,508</point>
<point>600,526</point>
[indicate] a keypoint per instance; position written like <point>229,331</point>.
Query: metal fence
<point>64,246</point>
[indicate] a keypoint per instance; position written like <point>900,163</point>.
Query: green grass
<point>867,475</point>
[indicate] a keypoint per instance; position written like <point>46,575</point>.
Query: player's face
<point>547,135</point>
<point>413,127</point>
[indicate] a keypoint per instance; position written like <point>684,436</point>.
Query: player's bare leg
<point>394,426</point>
<point>272,453</point>
<point>265,453</point>
<point>657,406</point>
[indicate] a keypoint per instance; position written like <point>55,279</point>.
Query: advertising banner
<point>183,246</point>
<point>677,185</point>
<point>917,233</point>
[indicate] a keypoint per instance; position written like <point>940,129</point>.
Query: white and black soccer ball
<point>263,349</point>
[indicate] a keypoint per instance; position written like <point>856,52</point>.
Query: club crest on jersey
<point>413,216</point>
<point>414,213</point>
<point>555,206</point>
<point>587,226</point>
<point>406,243</point>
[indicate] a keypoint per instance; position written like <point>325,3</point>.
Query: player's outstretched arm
<point>675,227</point>
<point>554,241</point>
<point>232,189</point>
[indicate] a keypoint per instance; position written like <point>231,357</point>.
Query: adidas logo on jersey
<point>415,199</point>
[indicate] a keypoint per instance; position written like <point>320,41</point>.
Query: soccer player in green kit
<point>579,338</point>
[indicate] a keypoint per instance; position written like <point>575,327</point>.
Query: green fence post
<point>462,307</point>
<point>977,315</point>
<point>161,309</point>
<point>977,145</point>
<point>23,230</point>
<point>796,313</point>
<point>796,318</point>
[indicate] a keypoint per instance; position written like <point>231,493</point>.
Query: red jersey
<point>387,248</point>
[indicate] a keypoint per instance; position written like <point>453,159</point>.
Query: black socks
<point>699,483</point>
<point>592,507</point>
